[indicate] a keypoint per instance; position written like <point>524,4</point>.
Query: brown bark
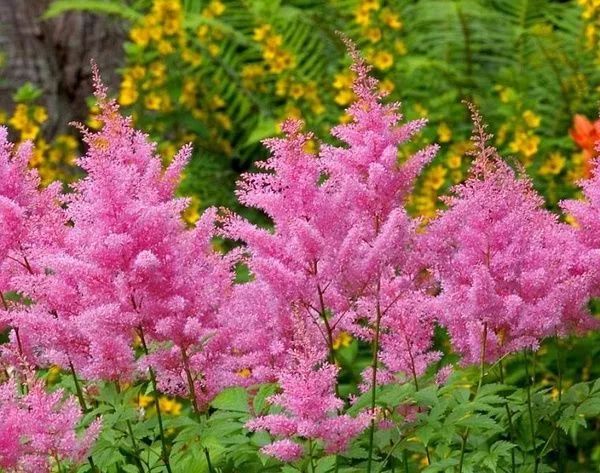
<point>55,55</point>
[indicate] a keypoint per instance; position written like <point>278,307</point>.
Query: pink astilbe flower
<point>341,241</point>
<point>38,428</point>
<point>130,268</point>
<point>310,407</point>
<point>31,219</point>
<point>586,213</point>
<point>509,270</point>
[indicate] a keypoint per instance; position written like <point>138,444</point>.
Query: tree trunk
<point>55,55</point>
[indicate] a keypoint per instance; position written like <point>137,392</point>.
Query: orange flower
<point>586,134</point>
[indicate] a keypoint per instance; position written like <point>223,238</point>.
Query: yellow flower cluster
<point>375,22</point>
<point>54,160</point>
<point>553,165</point>
<point>437,178</point>
<point>163,27</point>
<point>300,93</point>
<point>591,17</point>
<point>342,83</point>
<point>167,406</point>
<point>344,339</point>
<point>275,56</point>
<point>525,141</point>
<point>522,127</point>
<point>27,120</point>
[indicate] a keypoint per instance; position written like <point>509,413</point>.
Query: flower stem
<point>374,360</point>
<point>511,428</point>
<point>530,412</point>
<point>190,380</point>
<point>465,437</point>
<point>165,454</point>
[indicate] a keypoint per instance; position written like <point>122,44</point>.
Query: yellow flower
<point>20,118</point>
<point>169,406</point>
<point>244,373</point>
<point>502,132</point>
<point>373,35</point>
<point>391,19</point>
<point>165,47</point>
<point>456,176</point>
<point>144,401</point>
<point>310,147</point>
<point>153,101</point>
<point>525,143</point>
<point>400,47</point>
<point>531,119</point>
<point>251,71</point>
<point>345,118</point>
<point>216,7</point>
<point>214,49</point>
<point>386,86</point>
<point>506,94</point>
<point>421,111</point>
<point>571,221</point>
<point>191,57</point>
<point>383,60</point>
<point>454,161</point>
<point>261,32</point>
<point>192,213</point>
<point>344,97</point>
<point>39,114</point>
<point>444,132</point>
<point>362,16</point>
<point>344,339</point>
<point>435,177</point>
<point>29,131</point>
<point>128,94</point>
<point>155,32</point>
<point>139,36</point>
<point>296,91</point>
<point>343,80</point>
<point>553,165</point>
<point>281,62</point>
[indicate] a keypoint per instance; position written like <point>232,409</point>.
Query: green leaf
<point>232,399</point>
<point>110,7</point>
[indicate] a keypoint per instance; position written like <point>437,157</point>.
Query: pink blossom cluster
<point>511,273</point>
<point>310,407</point>
<point>39,429</point>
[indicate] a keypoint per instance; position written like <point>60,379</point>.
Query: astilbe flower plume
<point>340,249</point>
<point>310,407</point>
<point>40,428</point>
<point>509,270</point>
<point>130,271</point>
<point>31,220</point>
<point>586,213</point>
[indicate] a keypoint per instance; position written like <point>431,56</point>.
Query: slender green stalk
<point>208,462</point>
<point>136,449</point>
<point>163,442</point>
<point>310,456</point>
<point>405,457</point>
<point>511,428</point>
<point>416,383</point>
<point>190,380</point>
<point>465,437</point>
<point>374,364</point>
<point>560,467</point>
<point>78,389</point>
<point>530,412</point>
